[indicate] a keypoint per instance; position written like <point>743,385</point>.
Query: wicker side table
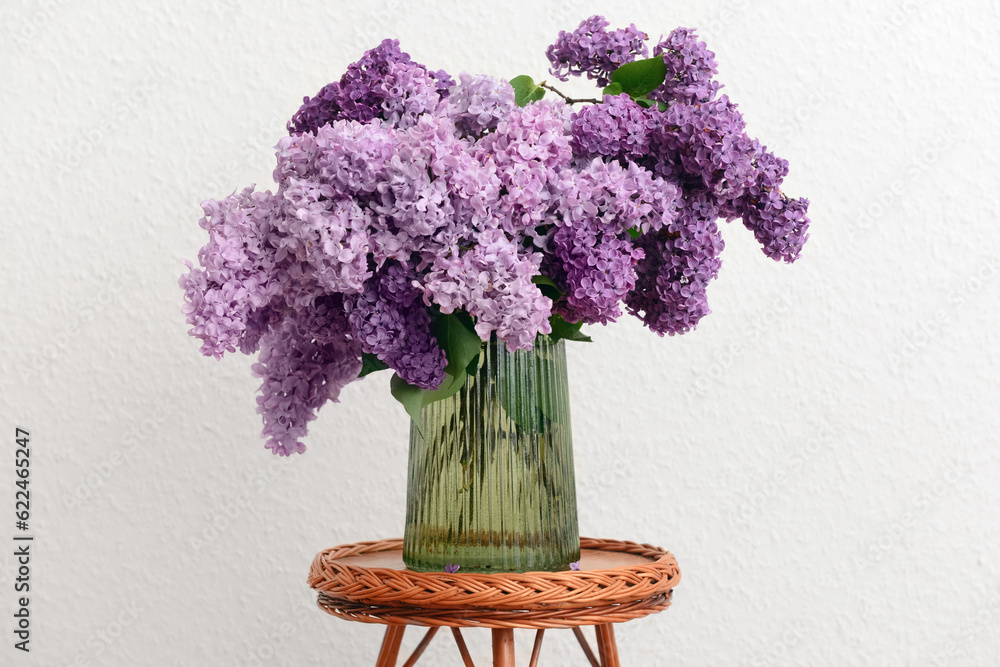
<point>616,582</point>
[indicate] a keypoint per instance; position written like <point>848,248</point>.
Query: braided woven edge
<point>538,619</point>
<point>502,591</point>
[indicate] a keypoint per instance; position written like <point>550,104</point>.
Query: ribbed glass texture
<point>491,484</point>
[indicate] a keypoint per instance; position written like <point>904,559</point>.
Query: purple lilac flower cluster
<point>592,50</point>
<point>690,69</point>
<point>404,197</point>
<point>593,257</point>
<point>390,322</point>
<point>617,128</point>
<point>384,84</point>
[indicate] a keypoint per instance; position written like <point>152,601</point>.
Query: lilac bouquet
<point>417,216</point>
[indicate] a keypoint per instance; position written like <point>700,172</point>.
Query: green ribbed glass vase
<point>490,484</point>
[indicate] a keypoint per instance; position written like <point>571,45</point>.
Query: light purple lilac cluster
<point>404,196</point>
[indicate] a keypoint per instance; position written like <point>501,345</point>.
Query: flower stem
<point>569,100</point>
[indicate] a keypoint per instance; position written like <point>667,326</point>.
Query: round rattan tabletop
<point>617,581</point>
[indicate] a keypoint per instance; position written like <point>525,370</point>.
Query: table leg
<point>421,647</point>
<point>462,648</point>
<point>586,647</point>
<point>503,647</point>
<point>606,646</point>
<point>390,646</point>
<point>536,650</point>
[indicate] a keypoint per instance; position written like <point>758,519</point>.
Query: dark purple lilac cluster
<point>592,50</point>
<point>405,198</point>
<point>384,84</point>
<point>778,222</point>
<point>618,128</point>
<point>705,143</point>
<point>679,261</point>
<point>391,322</point>
<point>690,69</point>
<point>592,257</point>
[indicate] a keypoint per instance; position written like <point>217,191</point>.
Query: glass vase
<point>490,483</point>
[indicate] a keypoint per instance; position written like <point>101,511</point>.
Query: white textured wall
<point>821,455</point>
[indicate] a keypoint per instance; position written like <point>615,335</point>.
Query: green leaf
<point>614,88</point>
<point>459,340</point>
<point>640,77</point>
<point>473,366</point>
<point>370,364</point>
<point>411,397</point>
<point>634,233</point>
<point>543,280</point>
<point>449,387</point>
<point>662,106</point>
<point>525,90</point>
<point>547,287</point>
<point>414,399</point>
<point>644,102</point>
<point>563,329</point>
<point>457,337</point>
